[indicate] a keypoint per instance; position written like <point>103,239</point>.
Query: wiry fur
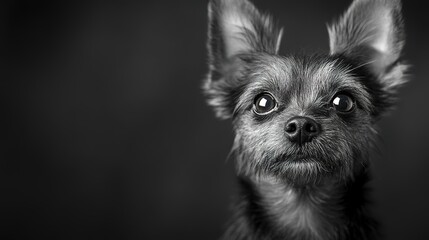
<point>315,190</point>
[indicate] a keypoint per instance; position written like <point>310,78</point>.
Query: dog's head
<point>301,118</point>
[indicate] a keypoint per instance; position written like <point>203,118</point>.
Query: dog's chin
<point>301,171</point>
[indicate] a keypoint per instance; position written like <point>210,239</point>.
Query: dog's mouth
<point>298,162</point>
<point>299,158</point>
<point>299,169</point>
<point>304,167</point>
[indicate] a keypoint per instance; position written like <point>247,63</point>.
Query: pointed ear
<point>372,32</point>
<point>235,27</point>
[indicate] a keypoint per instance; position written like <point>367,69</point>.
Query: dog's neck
<point>292,208</point>
<point>272,209</point>
<point>303,211</point>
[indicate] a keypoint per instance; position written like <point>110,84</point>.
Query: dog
<point>304,124</point>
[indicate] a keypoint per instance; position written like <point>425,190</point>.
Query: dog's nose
<point>301,129</point>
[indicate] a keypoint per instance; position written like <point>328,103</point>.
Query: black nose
<point>301,129</point>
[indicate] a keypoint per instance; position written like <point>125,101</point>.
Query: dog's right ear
<point>372,31</point>
<point>236,28</point>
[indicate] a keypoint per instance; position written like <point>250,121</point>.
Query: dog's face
<point>301,118</point>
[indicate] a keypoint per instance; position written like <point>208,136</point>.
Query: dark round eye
<point>264,103</point>
<point>343,103</point>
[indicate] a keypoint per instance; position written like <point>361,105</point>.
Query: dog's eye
<point>264,104</point>
<point>343,103</point>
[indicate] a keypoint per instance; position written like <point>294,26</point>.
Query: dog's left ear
<point>372,32</point>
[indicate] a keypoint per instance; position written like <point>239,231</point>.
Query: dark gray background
<point>106,135</point>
